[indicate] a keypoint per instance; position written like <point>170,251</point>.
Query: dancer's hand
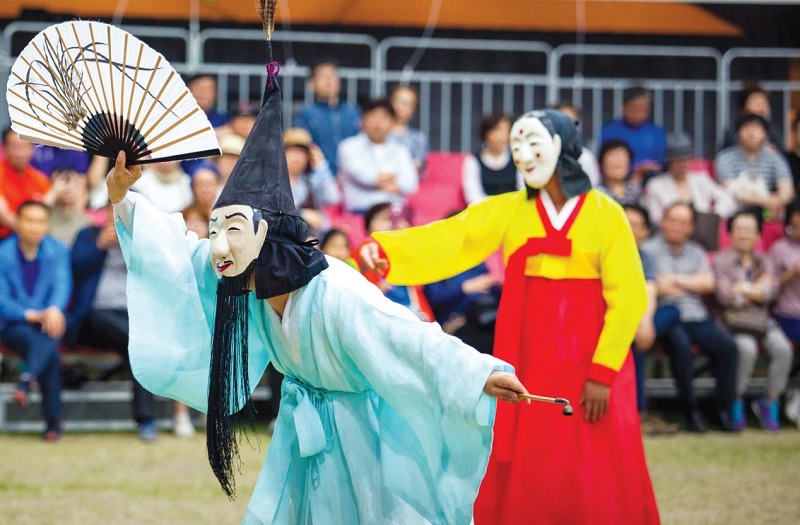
<point>503,385</point>
<point>120,179</point>
<point>370,257</point>
<point>595,400</point>
<point>53,322</point>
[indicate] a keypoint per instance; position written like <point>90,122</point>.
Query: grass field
<point>750,479</point>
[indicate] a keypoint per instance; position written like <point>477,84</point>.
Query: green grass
<point>749,479</point>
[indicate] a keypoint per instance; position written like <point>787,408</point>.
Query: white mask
<point>535,151</point>
<point>235,243</point>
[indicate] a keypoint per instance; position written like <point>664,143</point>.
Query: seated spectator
<point>793,155</point>
<point>231,146</point>
<point>683,277</point>
<point>243,119</point>
<point>466,305</point>
<point>67,200</point>
<point>753,99</point>
<point>491,170</point>
<point>785,257</point>
<point>745,286</point>
<point>405,101</point>
<point>654,323</point>
<point>204,186</point>
<point>647,141</point>
<point>388,216</point>
<point>98,314</point>
<point>753,173</point>
<point>19,181</point>
<point>35,285</point>
<point>615,165</point>
<point>47,159</point>
<point>313,185</point>
<point>373,170</point>
<point>166,186</point>
<point>329,119</point>
<point>203,88</point>
<point>587,160</point>
<point>679,184</point>
<point>336,243</point>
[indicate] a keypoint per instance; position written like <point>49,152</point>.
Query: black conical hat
<point>260,178</point>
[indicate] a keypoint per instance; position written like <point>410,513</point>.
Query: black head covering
<point>287,261</point>
<point>572,177</point>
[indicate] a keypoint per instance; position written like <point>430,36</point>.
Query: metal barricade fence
<point>451,101</point>
<point>735,71</point>
<point>686,105</point>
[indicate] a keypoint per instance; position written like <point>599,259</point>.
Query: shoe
<point>738,417</point>
<point>695,422</point>
<point>147,431</point>
<point>792,407</point>
<point>182,425</point>
<point>726,421</point>
<point>767,413</point>
<point>21,398</point>
<point>655,425</point>
<point>53,432</point>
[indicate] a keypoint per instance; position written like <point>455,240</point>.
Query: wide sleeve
<point>625,295</point>
<point>171,299</point>
<point>435,431</point>
<point>445,248</point>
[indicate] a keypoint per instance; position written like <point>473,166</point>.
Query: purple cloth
<point>30,271</point>
<point>47,159</point>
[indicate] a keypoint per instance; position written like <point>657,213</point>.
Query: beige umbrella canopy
<point>662,18</point>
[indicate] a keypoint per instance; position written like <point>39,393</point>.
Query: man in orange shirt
<point>19,181</point>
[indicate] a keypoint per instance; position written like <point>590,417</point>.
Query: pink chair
<point>440,191</point>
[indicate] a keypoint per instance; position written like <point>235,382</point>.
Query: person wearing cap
<point>573,295</point>
<point>383,418</point>
<point>682,184</point>
<point>328,118</point>
<point>647,140</point>
<point>312,182</point>
<point>230,144</point>
<point>756,175</point>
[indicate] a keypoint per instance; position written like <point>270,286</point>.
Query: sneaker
<point>655,425</point>
<point>53,432</point>
<point>767,412</point>
<point>738,417</point>
<point>182,425</point>
<point>147,431</point>
<point>792,407</point>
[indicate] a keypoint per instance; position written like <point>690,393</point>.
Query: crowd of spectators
<point>367,161</point>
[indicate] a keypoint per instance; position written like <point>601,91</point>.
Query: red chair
<point>440,191</point>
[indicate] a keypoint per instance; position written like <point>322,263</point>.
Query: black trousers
<point>713,342</point>
<point>109,329</point>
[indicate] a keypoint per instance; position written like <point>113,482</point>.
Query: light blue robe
<point>382,419</point>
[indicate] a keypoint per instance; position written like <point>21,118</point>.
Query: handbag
<point>752,320</point>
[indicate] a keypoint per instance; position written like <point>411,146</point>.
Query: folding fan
<point>92,87</point>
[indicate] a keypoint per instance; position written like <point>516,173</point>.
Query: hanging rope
<point>424,42</point>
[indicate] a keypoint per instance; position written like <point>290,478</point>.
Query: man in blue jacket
<point>329,119</point>
<point>35,286</point>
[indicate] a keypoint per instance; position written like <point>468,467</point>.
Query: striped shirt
<point>770,166</point>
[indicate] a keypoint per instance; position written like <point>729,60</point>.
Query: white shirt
<point>169,197</point>
<point>360,162</point>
